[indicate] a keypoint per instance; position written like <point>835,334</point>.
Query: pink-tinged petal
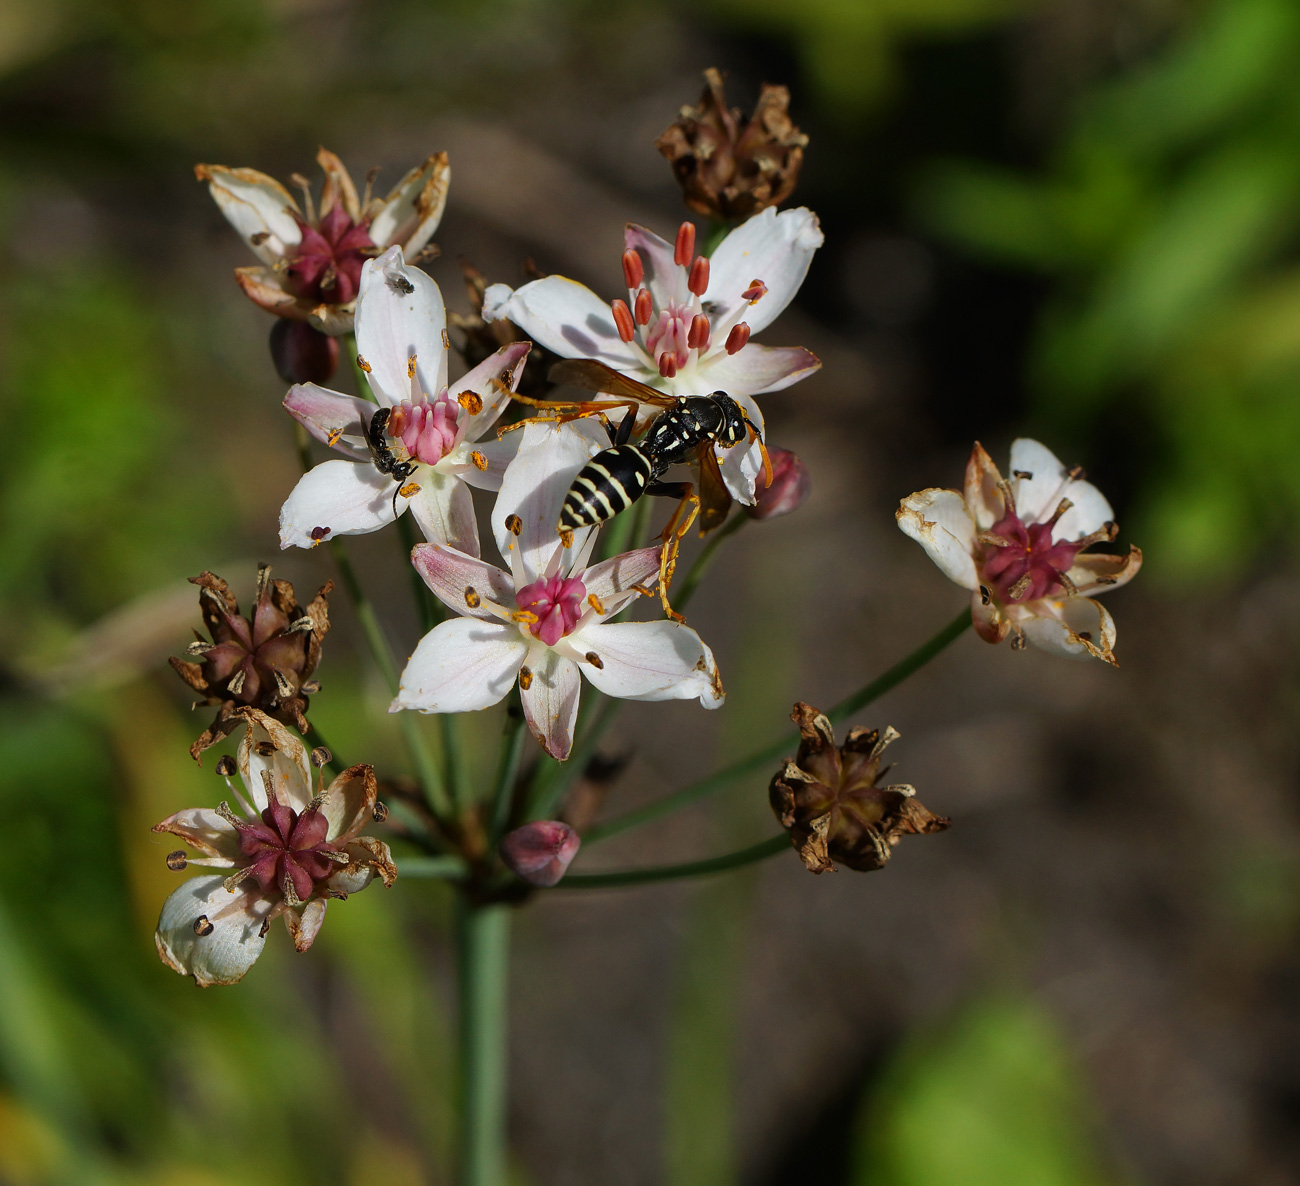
<point>990,623</point>
<point>338,188</point>
<point>461,666</point>
<point>540,853</point>
<point>939,521</point>
<point>550,701</point>
<point>400,313</point>
<point>263,287</point>
<point>495,455</point>
<point>610,582</point>
<point>350,803</point>
<point>267,746</point>
<point>458,580</point>
<point>369,857</point>
<point>1073,627</point>
<point>224,954</point>
<point>566,317</point>
<point>1097,572</point>
<point>257,206</point>
<point>205,830</point>
<point>303,928</point>
<point>534,486</point>
<point>984,498</point>
<point>492,380</point>
<point>444,510</point>
<point>335,419</point>
<point>337,498</point>
<point>661,274</point>
<point>412,211</point>
<point>757,369</point>
<point>771,247</point>
<point>648,661</point>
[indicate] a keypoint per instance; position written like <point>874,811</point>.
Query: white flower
<point>686,324</point>
<point>1018,546</point>
<point>291,850</point>
<point>311,260</point>
<point>402,338</point>
<point>546,619</point>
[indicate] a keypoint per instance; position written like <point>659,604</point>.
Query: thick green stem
<point>483,933</point>
<point>732,860</point>
<point>765,757</point>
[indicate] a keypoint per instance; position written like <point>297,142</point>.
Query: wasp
<point>686,430</point>
<point>385,458</point>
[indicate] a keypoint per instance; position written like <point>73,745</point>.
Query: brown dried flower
<point>728,169</point>
<point>481,339</point>
<point>828,800</point>
<point>265,661</point>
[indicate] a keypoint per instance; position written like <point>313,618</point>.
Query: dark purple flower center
<point>288,846</point>
<point>330,257</point>
<point>1029,565</point>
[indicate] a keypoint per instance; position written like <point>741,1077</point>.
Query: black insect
<point>382,454</point>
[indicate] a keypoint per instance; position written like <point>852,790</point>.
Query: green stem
<point>690,582</point>
<point>713,236</point>
<point>512,752</point>
<point>764,758</point>
<point>732,860</point>
<point>446,868</point>
<point>349,343</point>
<point>483,934</point>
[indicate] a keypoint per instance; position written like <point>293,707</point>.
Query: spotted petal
<point>333,418</point>
<point>493,380</point>
<point>1073,627</point>
<point>223,955</point>
<point>452,575</point>
<point>771,247</point>
<point>337,498</point>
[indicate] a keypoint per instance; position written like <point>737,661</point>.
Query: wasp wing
<point>715,498</point>
<point>591,375</point>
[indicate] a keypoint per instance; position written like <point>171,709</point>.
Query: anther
<point>264,749</point>
<point>986,597</point>
<point>1018,641</point>
<point>525,678</point>
<point>225,766</point>
<point>738,337</point>
<point>514,524</point>
<point>1076,473</point>
<point>409,490</point>
<point>756,290</point>
<point>202,926</point>
<point>199,647</point>
<point>684,248</point>
<point>363,364</point>
<point>289,892</point>
<point>236,684</point>
<point>311,687</point>
<point>176,861</point>
<point>446,340</point>
<point>471,401</point>
<point>410,367</point>
<point>668,364</point>
<point>321,756</point>
<point>472,599</point>
<point>595,660</point>
<point>263,579</point>
<point>379,812</point>
<point>566,536</point>
<point>333,438</point>
<point>633,269</point>
<point>283,684</point>
<point>259,237</point>
<point>623,320</point>
<point>303,625</point>
<point>1023,474</point>
<point>595,603</point>
<point>1020,588</point>
<point>697,279</point>
<point>697,337</point>
<point>643,307</point>
<point>526,616</point>
<point>319,533</point>
<point>480,462</point>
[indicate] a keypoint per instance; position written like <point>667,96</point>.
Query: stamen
<point>446,340</point>
<point>225,766</point>
<point>992,539</point>
<point>756,290</point>
<point>363,364</point>
<point>623,320</point>
<point>514,524</point>
<point>202,927</point>
<point>697,280</point>
<point>410,367</point>
<point>379,812</point>
<point>321,756</point>
<point>263,579</point>
<point>290,894</point>
<point>668,365</point>
<point>471,401</point>
<point>319,533</point>
<point>236,684</point>
<point>684,248</point>
<point>595,603</point>
<point>697,337</point>
<point>633,269</point>
<point>1061,507</point>
<point>199,647</point>
<point>283,684</point>
<point>371,174</point>
<point>472,599</point>
<point>525,678</point>
<point>271,796</point>
<point>333,438</point>
<point>595,660</point>
<point>480,462</point>
<point>311,687</point>
<point>643,307</point>
<point>1020,588</point>
<point>309,207</point>
<point>176,861</point>
<point>738,337</point>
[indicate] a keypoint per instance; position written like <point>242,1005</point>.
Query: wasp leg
<point>561,413</point>
<point>673,534</point>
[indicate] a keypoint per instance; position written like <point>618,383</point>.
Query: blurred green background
<point>1075,218</point>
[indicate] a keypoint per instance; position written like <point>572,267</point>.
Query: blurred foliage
<point>1166,217</point>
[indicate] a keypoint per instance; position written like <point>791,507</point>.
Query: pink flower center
<point>427,428</point>
<point>288,845</point>
<point>669,332</point>
<point>1030,565</point>
<point>557,602</point>
<point>330,257</point>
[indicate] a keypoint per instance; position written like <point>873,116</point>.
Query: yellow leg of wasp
<point>673,534</point>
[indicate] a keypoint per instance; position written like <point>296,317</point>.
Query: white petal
<point>268,746</point>
<point>756,369</point>
<point>350,803</point>
<point>303,928</point>
<point>444,510</point>
<point>1074,627</point>
<point>343,497</point>
<point>257,206</point>
<point>564,316</point>
<point>204,829</point>
<point>452,574</point>
<point>648,661</point>
<point>399,314</point>
<point>534,487</point>
<point>939,521</point>
<point>741,464</point>
<point>337,420</point>
<point>1038,496</point>
<point>460,666</point>
<point>661,272</point>
<point>771,247</point>
<point>550,701</point>
<point>610,582</point>
<point>498,454</point>
<point>493,379</point>
<point>1089,512</point>
<point>984,498</point>
<point>411,213</point>
<point>225,954</point>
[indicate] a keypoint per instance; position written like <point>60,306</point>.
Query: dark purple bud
<point>302,354</point>
<point>541,852</point>
<point>790,487</point>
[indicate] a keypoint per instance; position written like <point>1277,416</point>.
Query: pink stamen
<point>623,320</point>
<point>698,337</point>
<point>697,279</point>
<point>755,290</point>
<point>644,307</point>
<point>738,337</point>
<point>684,248</point>
<point>557,601</point>
<point>633,269</point>
<point>667,366</point>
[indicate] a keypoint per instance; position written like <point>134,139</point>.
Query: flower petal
<point>1074,627</point>
<point>460,666</point>
<point>338,188</point>
<point>939,521</point>
<point>337,420</point>
<point>369,856</point>
<point>1097,572</point>
<point>771,247</point>
<point>566,317</point>
<point>452,575</point>
<point>337,498</point>
<point>400,313</point>
<point>984,498</point>
<point>493,379</point>
<point>263,287</point>
<point>661,272</point>
<point>497,454</point>
<point>648,661</point>
<point>350,803</point>
<point>225,953</point>
<point>267,746</point>
<point>444,510</point>
<point>257,206</point>
<point>610,582</point>
<point>303,928</point>
<point>204,829</point>
<point>741,464</point>
<point>412,211</point>
<point>756,369</point>
<point>550,701</point>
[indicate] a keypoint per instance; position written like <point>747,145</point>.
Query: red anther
<point>668,364</point>
<point>623,320</point>
<point>738,337</point>
<point>644,307</point>
<point>633,269</point>
<point>697,280</point>
<point>684,249</point>
<point>697,337</point>
<point>755,290</point>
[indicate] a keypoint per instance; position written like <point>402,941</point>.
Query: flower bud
<point>540,852</point>
<point>788,491</point>
<point>302,354</point>
<point>828,800</point>
<point>730,169</point>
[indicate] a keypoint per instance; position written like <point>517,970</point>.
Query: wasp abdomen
<point>610,482</point>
